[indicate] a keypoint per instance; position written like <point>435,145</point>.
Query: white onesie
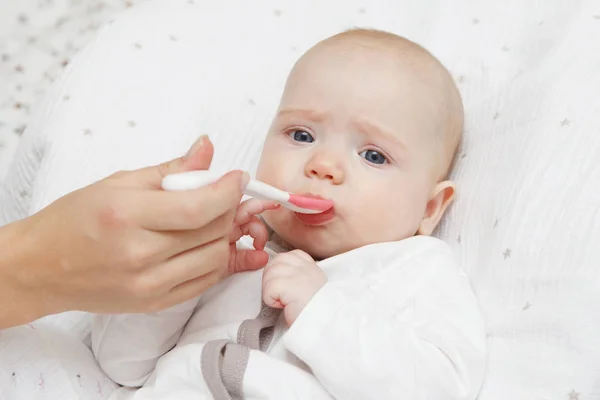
<point>396,320</point>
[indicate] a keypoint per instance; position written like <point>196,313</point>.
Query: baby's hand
<point>290,281</point>
<point>246,222</point>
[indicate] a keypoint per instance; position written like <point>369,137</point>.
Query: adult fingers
<point>257,230</point>
<point>247,260</point>
<point>252,207</point>
<point>187,210</point>
<point>188,290</point>
<point>189,265</point>
<point>172,243</point>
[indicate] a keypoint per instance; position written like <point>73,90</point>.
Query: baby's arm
<point>128,346</point>
<point>412,330</point>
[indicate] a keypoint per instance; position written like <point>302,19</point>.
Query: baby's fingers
<point>273,291</point>
<point>301,256</point>
<point>276,271</point>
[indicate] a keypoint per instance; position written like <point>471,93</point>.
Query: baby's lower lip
<point>316,219</point>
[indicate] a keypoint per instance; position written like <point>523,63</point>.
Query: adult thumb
<point>198,157</point>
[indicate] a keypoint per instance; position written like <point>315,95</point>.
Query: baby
<point>371,121</point>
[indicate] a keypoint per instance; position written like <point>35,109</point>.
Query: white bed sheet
<point>38,38</point>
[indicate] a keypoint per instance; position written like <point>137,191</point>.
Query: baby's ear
<point>443,193</point>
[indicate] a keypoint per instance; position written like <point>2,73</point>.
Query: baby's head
<point>371,121</point>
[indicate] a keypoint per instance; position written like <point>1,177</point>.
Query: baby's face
<point>352,127</point>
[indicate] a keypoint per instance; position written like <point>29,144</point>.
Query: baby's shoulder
<point>413,249</point>
<point>415,256</point>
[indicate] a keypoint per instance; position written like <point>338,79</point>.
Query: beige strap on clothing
<point>223,362</point>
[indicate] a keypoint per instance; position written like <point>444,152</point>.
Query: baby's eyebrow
<point>373,130</point>
<point>312,115</point>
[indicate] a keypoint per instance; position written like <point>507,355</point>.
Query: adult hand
<point>121,244</point>
<point>246,222</point>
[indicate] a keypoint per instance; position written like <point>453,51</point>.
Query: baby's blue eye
<point>301,136</point>
<point>374,157</point>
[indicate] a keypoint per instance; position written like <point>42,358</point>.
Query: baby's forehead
<point>366,52</point>
<point>408,68</point>
<point>395,77</point>
<point>374,44</point>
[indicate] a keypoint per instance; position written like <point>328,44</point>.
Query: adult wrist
<point>20,302</point>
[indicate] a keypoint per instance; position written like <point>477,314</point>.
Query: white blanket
<point>526,223</point>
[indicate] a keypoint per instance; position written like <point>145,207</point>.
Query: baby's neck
<point>276,243</point>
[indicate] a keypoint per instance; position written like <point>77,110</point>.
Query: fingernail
<point>196,146</point>
<point>245,180</point>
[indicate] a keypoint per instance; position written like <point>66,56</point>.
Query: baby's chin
<point>317,251</point>
<point>319,247</point>
<point>320,242</point>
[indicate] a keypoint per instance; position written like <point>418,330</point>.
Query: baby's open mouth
<point>316,219</point>
<point>311,202</point>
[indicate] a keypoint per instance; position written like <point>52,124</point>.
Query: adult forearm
<point>18,303</point>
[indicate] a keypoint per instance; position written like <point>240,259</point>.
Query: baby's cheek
<point>270,218</point>
<point>263,173</point>
<point>389,219</point>
<point>277,220</point>
<point>376,207</point>
<point>270,174</point>
<point>267,170</point>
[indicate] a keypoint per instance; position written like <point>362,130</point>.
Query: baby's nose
<point>327,168</point>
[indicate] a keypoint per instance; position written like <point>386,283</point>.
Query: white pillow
<point>526,222</point>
